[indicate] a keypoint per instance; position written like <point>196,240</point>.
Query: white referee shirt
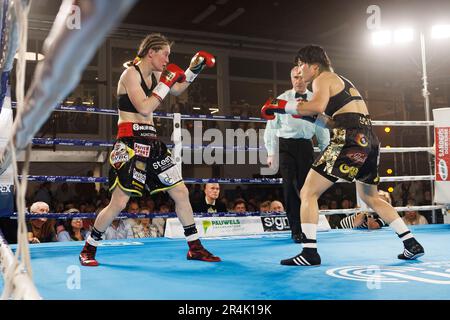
<point>288,127</point>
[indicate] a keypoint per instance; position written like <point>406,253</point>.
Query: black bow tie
<point>301,95</point>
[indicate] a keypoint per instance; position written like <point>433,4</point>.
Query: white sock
<point>400,227</point>
<point>92,241</point>
<point>310,231</point>
<point>192,237</point>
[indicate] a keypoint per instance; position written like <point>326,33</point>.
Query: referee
<point>296,151</point>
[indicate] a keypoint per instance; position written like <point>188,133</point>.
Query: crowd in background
<point>84,198</point>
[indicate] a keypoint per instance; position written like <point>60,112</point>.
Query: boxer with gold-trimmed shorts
<point>353,152</point>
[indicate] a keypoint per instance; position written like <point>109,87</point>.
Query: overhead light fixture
<point>31,56</point>
<point>231,17</point>
<point>196,108</point>
<point>204,14</point>
<point>381,38</point>
<point>440,31</point>
<point>403,35</point>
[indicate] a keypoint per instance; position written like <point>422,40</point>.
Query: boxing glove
<point>199,61</point>
<point>169,77</point>
<point>273,106</point>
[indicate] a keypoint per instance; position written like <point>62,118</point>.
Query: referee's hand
<point>270,161</point>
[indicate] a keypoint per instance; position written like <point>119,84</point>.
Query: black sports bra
<point>339,100</point>
<point>124,102</point>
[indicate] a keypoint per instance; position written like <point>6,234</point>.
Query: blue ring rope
<point>74,179</point>
<point>126,215</point>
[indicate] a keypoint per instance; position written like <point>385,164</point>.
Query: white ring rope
<point>399,149</point>
<point>398,209</point>
<point>18,273</point>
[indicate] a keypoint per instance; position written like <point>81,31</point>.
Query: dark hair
<point>68,227</point>
<point>239,201</point>
<point>153,41</point>
<point>265,204</point>
<point>313,54</point>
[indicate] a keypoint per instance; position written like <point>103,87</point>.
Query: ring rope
<point>108,144</point>
<point>126,215</point>
<point>166,115</point>
<point>256,181</point>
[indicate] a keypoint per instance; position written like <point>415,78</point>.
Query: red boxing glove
<point>199,61</point>
<point>273,106</point>
<point>169,77</point>
<point>297,116</point>
<point>311,119</point>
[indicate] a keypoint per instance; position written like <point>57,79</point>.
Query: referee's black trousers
<point>296,158</point>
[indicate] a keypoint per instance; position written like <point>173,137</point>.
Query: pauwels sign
<point>217,226</point>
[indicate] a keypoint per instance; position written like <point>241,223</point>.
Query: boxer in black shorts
<point>139,160</point>
<point>353,152</point>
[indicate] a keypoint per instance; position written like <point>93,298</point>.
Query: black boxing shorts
<point>139,161</point>
<point>353,152</point>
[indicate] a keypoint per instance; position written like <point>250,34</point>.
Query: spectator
<point>150,204</point>
<point>144,227</point>
<point>73,231</point>
<point>210,202</point>
<point>61,224</point>
<point>264,207</point>
<point>42,229</point>
<point>277,206</point>
<point>133,208</point>
<point>412,218</point>
<point>333,205</point>
<point>118,230</point>
<point>366,220</point>
<point>160,223</point>
<point>346,204</point>
<point>240,206</point>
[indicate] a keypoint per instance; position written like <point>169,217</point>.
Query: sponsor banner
<point>6,121</point>
<point>6,200</point>
<point>281,223</point>
<point>442,155</point>
<point>235,226</point>
<point>272,224</point>
<point>6,179</point>
<point>216,227</point>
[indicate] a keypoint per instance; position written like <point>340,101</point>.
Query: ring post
<point>178,144</point>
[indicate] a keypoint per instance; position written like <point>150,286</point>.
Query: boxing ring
<point>356,265</point>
